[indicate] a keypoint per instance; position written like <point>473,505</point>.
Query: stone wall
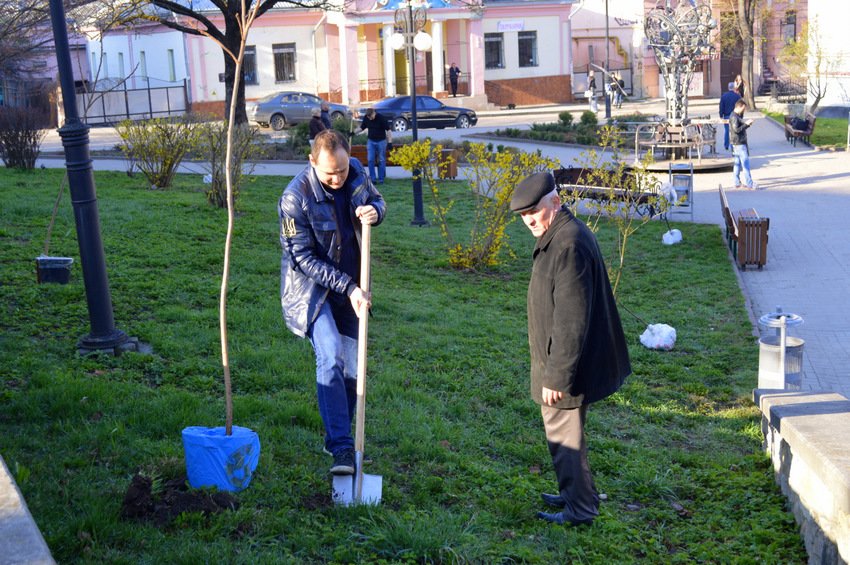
<point>529,91</point>
<point>806,437</point>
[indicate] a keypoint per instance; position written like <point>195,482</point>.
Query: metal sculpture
<point>680,36</point>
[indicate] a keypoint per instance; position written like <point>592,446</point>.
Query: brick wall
<point>528,91</point>
<point>213,108</point>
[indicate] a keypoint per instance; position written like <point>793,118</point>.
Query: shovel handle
<point>362,339</point>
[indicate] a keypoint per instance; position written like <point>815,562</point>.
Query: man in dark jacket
<point>578,350</point>
<point>316,125</point>
<point>740,150</point>
<point>727,105</point>
<point>321,212</point>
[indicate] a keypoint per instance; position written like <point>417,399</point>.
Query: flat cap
<point>531,190</point>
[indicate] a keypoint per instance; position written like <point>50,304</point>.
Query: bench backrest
<point>728,218</point>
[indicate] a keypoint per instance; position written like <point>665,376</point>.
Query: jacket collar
<point>354,181</point>
<point>562,218</point>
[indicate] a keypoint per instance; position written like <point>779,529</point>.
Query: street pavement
<point>806,195</point>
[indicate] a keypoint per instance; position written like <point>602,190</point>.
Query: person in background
<point>326,114</point>
<point>454,74</point>
<point>321,213</point>
<point>316,124</point>
<point>740,150</point>
<point>591,91</point>
<point>578,349</point>
<point>378,137</point>
<point>727,106</point>
<point>739,85</point>
<point>621,90</point>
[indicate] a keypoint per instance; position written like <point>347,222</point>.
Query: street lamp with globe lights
<point>410,18</point>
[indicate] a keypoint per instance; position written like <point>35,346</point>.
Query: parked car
<point>430,113</point>
<point>288,108</point>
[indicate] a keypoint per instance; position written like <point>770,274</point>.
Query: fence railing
<point>112,106</point>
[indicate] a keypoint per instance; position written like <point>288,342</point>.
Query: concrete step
<point>21,541</point>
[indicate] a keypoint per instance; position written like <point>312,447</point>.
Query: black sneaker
<point>343,463</point>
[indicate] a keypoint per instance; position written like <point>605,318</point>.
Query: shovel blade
<point>344,490</point>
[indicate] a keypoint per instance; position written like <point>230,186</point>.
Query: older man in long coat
<point>578,350</point>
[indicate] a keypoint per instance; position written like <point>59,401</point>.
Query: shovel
<point>360,488</point>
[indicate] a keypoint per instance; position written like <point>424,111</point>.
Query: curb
<point>20,539</point>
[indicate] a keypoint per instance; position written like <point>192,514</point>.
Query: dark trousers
<point>568,448</point>
<point>454,86</point>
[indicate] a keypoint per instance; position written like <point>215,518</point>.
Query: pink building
<point>511,51</point>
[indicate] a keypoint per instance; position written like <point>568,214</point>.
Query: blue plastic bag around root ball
<point>214,459</point>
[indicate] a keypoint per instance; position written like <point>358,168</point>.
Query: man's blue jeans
<point>741,154</point>
<point>336,379</point>
<point>725,133</point>
<point>377,149</point>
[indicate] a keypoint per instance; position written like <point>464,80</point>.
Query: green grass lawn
<point>450,424</point>
<point>829,132</point>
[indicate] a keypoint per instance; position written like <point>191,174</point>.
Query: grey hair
<point>316,112</point>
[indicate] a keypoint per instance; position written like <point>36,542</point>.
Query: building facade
<point>346,56</point>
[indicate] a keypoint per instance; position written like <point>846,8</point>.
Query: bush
<point>158,146</point>
<point>588,118</point>
<point>212,146</point>
<point>565,119</point>
<point>586,134</point>
<point>21,134</point>
<point>492,178</point>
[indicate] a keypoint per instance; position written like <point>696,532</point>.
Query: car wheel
<point>462,121</point>
<point>400,124</point>
<point>337,116</point>
<point>278,122</point>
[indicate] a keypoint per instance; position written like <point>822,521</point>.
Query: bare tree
<point>746,12</point>
<point>23,31</point>
<point>805,60</point>
<point>185,19</point>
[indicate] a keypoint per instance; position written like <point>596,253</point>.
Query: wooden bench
<point>746,234</point>
<point>576,183</point>
<point>792,134</point>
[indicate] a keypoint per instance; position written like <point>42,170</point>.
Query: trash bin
<point>780,355</point>
<point>53,269</point>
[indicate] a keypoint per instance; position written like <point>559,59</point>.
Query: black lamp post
<point>104,336</point>
<point>609,91</point>
<point>412,21</point>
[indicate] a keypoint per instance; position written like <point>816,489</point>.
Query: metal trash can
<point>780,355</point>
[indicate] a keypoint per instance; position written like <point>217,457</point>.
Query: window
<point>172,75</point>
<point>143,64</point>
<point>494,53</point>
<point>284,62</point>
<point>120,64</point>
<point>527,48</point>
<point>249,64</point>
<point>427,103</point>
<point>104,69</point>
<point>789,27</point>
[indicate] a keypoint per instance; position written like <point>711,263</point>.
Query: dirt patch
<point>169,499</point>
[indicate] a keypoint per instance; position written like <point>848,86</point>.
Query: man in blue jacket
<point>727,106</point>
<point>321,213</point>
<point>578,349</point>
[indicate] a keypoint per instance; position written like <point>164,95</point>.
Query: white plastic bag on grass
<point>659,336</point>
<point>671,237</point>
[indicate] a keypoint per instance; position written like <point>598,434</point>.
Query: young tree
<point>185,18</point>
<point>805,60</point>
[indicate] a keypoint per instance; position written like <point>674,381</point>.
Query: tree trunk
<point>232,42</point>
<point>745,12</point>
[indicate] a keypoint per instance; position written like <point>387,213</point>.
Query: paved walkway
<point>806,197</point>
